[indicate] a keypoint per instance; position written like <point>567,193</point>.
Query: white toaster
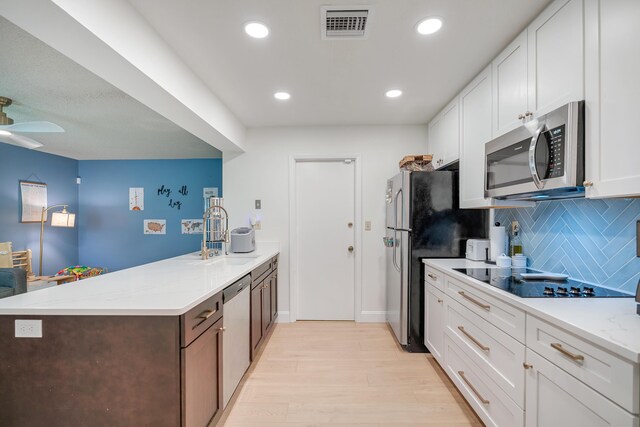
<point>478,249</point>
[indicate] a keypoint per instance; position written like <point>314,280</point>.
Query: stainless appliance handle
<point>532,158</point>
<point>395,230</point>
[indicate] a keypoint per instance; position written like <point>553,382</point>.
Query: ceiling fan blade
<point>20,141</point>
<point>33,127</point>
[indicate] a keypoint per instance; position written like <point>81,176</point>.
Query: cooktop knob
<point>588,291</point>
<point>561,291</point>
<point>574,291</point>
<point>548,291</point>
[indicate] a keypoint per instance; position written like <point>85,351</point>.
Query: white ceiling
<point>336,82</point>
<point>101,122</point>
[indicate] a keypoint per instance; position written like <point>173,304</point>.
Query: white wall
<point>262,172</point>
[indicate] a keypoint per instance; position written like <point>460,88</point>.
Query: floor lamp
<point>58,219</point>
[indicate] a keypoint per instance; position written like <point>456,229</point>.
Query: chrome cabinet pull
<point>473,389</point>
<point>475,301</point>
<point>439,300</point>
<point>207,314</point>
<point>587,184</point>
<point>433,276</point>
<point>474,340</point>
<point>575,357</point>
<point>222,329</point>
<point>526,365</point>
<point>520,116</point>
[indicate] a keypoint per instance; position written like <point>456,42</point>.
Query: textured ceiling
<point>336,81</point>
<point>101,122</point>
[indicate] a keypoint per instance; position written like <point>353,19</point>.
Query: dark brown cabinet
<point>264,302</point>
<point>202,378</point>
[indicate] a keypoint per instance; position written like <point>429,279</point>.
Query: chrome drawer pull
<point>475,341</point>
<point>576,357</point>
<point>433,276</point>
<point>439,300</point>
<point>473,389</point>
<point>207,314</point>
<point>475,301</point>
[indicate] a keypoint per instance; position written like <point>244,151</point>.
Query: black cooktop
<point>510,280</point>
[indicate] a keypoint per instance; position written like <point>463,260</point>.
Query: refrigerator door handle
<point>395,230</point>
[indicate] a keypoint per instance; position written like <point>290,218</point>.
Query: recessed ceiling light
<point>257,30</point>
<point>282,96</point>
<point>5,132</point>
<point>393,93</point>
<point>429,25</point>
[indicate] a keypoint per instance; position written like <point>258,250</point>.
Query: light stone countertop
<point>163,288</point>
<point>611,323</point>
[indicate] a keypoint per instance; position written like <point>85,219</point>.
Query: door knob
<point>350,248</point>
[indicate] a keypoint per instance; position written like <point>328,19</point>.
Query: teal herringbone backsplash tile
<point>590,240</point>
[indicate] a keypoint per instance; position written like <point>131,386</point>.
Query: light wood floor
<point>345,374</point>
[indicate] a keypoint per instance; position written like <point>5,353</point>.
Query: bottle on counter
<point>515,246</point>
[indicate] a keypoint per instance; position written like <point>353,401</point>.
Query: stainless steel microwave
<point>541,160</point>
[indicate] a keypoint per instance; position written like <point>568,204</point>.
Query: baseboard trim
<point>373,317</point>
<point>283,317</point>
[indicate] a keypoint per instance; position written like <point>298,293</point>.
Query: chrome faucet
<point>210,228</point>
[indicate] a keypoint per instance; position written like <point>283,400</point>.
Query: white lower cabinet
<point>493,406</point>
<point>498,355</point>
<point>434,322</point>
<point>545,377</point>
<point>555,398</point>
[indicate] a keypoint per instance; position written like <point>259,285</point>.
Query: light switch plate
<point>258,204</point>
<point>367,226</point>
<point>28,328</point>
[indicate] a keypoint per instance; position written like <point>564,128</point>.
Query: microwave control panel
<point>556,137</point>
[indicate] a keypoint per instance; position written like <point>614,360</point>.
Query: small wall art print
<point>33,197</point>
<point>136,199</point>
<point>192,226</point>
<point>155,226</point>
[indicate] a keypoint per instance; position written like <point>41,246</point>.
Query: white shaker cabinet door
<point>475,132</point>
<point>434,322</point>
<point>444,138</point>
<point>509,71</point>
<point>612,88</point>
<point>556,56</point>
<point>555,398</point>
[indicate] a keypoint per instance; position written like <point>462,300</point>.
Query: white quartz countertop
<point>169,287</point>
<point>611,323</point>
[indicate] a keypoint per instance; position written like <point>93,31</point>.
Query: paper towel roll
<point>498,238</point>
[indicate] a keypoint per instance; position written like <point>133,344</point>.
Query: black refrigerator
<point>423,220</point>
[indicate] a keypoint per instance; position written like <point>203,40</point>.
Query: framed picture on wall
<point>33,198</point>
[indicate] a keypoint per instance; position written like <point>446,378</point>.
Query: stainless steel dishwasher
<point>236,345</point>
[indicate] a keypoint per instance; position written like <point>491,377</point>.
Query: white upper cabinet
<point>510,86</point>
<point>612,92</point>
<point>475,131</point>
<point>556,57</point>
<point>444,137</point>
<point>542,69</point>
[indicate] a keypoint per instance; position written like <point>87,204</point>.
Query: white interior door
<point>325,211</point>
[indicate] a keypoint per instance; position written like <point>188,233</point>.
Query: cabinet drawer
<point>491,404</point>
<point>434,277</point>
<point>260,273</point>
<point>198,319</point>
<point>555,398</point>
<point>611,376</point>
<point>506,317</point>
<point>499,355</point>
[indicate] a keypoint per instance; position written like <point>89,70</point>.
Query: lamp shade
<point>63,219</point>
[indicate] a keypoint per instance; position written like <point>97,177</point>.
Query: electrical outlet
<point>28,328</point>
<point>515,227</point>
<point>257,225</point>
<point>367,226</point>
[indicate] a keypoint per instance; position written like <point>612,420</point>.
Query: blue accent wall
<point>591,240</point>
<point>112,236</point>
<point>59,173</point>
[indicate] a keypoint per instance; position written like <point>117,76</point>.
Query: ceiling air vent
<point>344,22</point>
